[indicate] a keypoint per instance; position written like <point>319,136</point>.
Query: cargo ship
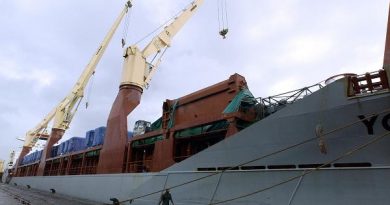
<point>322,144</point>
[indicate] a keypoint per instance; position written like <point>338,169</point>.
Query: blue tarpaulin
<point>32,157</point>
<point>39,155</point>
<point>54,151</point>
<point>26,159</point>
<point>92,138</point>
<point>71,145</point>
<point>100,132</point>
<point>62,148</point>
<point>89,136</point>
<point>75,144</point>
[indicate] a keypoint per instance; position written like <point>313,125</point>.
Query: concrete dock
<point>16,195</point>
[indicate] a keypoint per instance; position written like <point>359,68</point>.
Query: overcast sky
<point>277,45</point>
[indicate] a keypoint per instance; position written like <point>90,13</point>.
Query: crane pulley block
<point>223,22</point>
<point>223,32</point>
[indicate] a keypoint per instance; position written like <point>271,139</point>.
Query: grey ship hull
<point>328,108</point>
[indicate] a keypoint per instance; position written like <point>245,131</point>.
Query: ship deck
<point>15,195</point>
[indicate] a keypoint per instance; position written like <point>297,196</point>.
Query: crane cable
<point>126,27</point>
<point>223,22</point>
<point>266,155</point>
<point>158,28</point>
<point>123,41</point>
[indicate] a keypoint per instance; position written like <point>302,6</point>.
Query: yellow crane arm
<point>63,113</point>
<point>136,70</point>
<point>38,131</point>
<point>68,107</point>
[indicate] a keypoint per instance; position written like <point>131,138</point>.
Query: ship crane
<point>136,75</point>
<point>137,70</point>
<point>61,116</point>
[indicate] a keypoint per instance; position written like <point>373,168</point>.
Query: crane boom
<point>63,113</point>
<point>136,70</point>
<point>38,131</point>
<point>65,110</point>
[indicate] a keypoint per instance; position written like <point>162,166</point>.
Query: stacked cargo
<point>99,134</point>
<point>89,137</point>
<point>62,148</point>
<point>39,155</point>
<point>26,159</point>
<point>93,138</point>
<point>75,144</point>
<point>36,156</point>
<point>54,151</point>
<point>32,157</point>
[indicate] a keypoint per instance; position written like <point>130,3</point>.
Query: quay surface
<point>16,195</point>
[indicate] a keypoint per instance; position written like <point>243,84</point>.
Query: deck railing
<point>367,83</point>
<point>140,166</point>
<point>290,96</point>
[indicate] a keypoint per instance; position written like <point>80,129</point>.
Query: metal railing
<point>367,83</point>
<point>75,170</point>
<point>90,169</point>
<point>271,104</point>
<point>290,96</point>
<point>140,166</point>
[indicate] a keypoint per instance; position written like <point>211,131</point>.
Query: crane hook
<point>223,18</point>
<point>223,32</point>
